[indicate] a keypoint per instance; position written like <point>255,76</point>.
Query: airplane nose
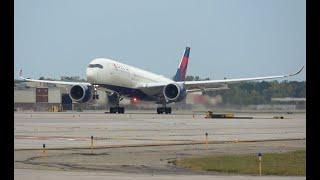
<point>91,75</point>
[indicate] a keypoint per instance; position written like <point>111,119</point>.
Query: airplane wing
<point>195,86</point>
<point>52,82</point>
<point>57,82</point>
<point>189,85</point>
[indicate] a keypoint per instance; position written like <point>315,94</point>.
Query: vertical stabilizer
<point>182,69</point>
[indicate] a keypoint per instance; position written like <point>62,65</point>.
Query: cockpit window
<point>95,66</point>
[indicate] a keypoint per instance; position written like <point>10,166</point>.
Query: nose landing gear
<point>95,92</point>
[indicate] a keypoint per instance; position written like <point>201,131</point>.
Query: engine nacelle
<point>81,93</point>
<point>174,92</point>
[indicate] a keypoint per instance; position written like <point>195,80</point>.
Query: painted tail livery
<point>182,70</point>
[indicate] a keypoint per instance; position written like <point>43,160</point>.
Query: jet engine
<point>174,92</point>
<point>81,93</point>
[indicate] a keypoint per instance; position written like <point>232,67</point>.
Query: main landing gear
<point>117,109</point>
<point>161,110</point>
<point>115,99</point>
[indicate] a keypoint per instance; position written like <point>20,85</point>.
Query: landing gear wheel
<point>168,110</point>
<point>113,110</point>
<point>119,110</point>
<point>114,99</point>
<point>161,110</point>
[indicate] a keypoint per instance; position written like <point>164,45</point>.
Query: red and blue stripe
<point>182,70</point>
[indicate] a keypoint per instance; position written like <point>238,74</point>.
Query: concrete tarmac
<point>142,145</point>
<point>26,174</point>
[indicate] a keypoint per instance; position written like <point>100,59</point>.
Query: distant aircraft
<point>121,80</point>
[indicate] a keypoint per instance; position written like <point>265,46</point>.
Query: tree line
<point>246,93</point>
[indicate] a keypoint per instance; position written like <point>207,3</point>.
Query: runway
<point>142,145</point>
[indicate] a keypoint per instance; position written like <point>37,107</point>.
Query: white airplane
<point>122,80</point>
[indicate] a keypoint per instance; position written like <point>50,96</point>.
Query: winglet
<point>297,72</point>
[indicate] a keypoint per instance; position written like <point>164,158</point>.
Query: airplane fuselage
<point>122,78</point>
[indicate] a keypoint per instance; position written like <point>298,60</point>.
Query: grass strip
<point>291,163</point>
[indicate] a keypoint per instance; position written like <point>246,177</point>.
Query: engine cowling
<point>174,92</point>
<point>81,93</point>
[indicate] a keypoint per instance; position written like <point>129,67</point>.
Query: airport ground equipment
<point>210,115</point>
<point>278,117</point>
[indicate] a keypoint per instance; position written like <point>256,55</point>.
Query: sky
<point>228,38</point>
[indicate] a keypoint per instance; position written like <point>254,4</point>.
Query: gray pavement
<point>26,174</point>
<point>175,136</point>
<point>70,130</point>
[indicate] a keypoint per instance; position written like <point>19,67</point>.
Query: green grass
<point>288,163</point>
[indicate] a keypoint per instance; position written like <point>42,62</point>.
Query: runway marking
<point>166,144</point>
<point>52,137</point>
<point>96,138</point>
